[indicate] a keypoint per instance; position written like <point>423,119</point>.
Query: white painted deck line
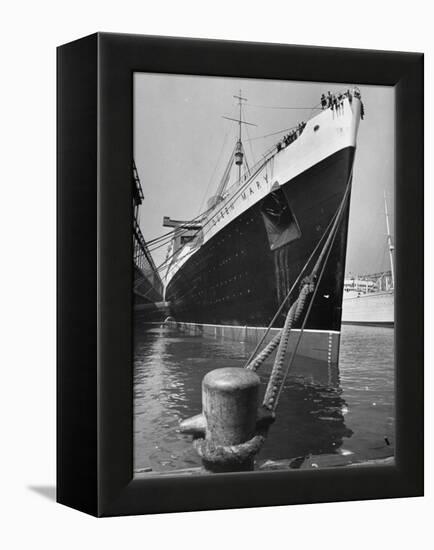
<point>248,327</point>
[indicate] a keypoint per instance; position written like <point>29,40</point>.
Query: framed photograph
<point>240,274</point>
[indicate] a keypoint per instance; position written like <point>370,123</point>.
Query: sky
<point>182,144</point>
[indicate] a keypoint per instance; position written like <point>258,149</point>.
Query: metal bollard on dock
<point>230,399</point>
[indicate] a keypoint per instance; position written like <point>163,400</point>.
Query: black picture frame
<point>95,368</point>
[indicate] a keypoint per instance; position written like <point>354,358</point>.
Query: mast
<point>239,146</point>
<point>389,242</point>
<point>240,103</point>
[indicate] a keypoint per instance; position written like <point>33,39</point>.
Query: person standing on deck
<point>323,102</point>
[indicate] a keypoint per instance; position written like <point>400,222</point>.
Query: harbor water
<point>327,416</point>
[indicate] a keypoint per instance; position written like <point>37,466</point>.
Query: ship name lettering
<point>258,185</point>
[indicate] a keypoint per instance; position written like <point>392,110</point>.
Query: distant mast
<point>389,241</point>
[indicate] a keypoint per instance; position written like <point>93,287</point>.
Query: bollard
<point>230,404</point>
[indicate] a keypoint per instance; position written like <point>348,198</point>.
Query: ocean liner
<point>228,270</point>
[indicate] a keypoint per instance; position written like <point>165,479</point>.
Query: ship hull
<point>240,277</point>
<point>373,309</point>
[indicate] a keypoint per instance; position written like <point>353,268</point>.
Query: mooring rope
<point>219,457</point>
<point>311,285</point>
<point>235,454</point>
<point>265,353</point>
<point>254,360</point>
<point>275,379</point>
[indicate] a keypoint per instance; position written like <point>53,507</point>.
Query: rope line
<point>282,107</point>
<point>274,133</point>
<point>285,300</point>
<point>213,173</point>
<point>276,380</point>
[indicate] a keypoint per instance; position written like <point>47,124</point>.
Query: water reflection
<point>310,421</point>
<point>313,411</point>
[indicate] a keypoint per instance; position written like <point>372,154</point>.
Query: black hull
<point>237,279</point>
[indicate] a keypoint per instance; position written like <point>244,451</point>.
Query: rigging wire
<point>226,175</point>
<point>250,146</point>
<point>282,107</point>
<point>167,238</point>
<point>209,220</point>
<point>164,239</point>
<point>214,172</point>
<point>274,133</point>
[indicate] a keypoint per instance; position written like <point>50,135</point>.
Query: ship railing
<point>272,151</point>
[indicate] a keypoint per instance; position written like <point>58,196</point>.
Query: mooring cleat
<point>195,425</point>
